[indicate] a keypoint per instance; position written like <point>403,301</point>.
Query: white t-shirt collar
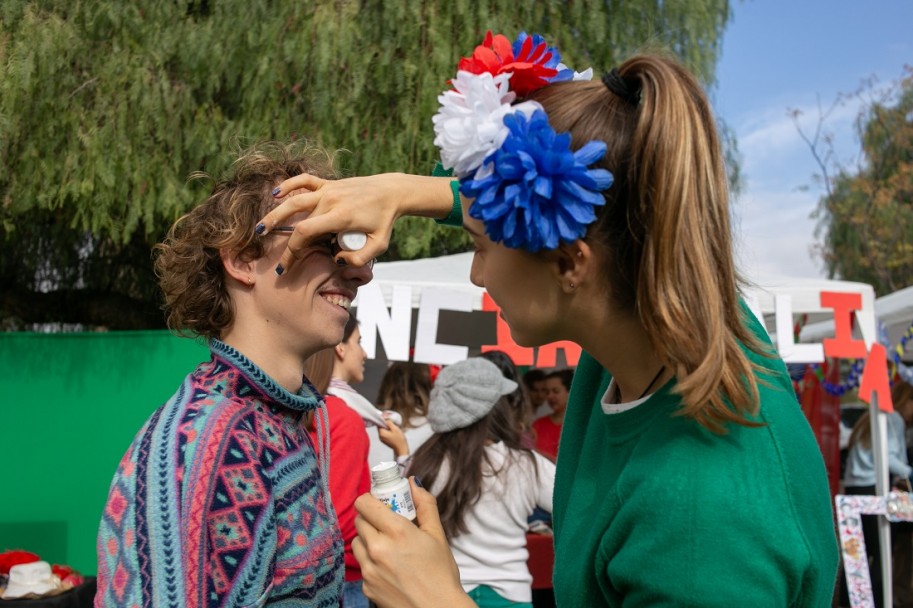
<point>616,408</point>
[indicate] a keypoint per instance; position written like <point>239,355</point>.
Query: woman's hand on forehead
<point>357,204</point>
<point>328,207</point>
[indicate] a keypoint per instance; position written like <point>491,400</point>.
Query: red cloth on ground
<point>350,476</point>
<point>547,435</point>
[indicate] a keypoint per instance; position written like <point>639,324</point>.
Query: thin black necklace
<point>649,386</point>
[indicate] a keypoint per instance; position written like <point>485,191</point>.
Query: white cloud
<point>757,89</point>
<point>774,234</point>
<point>774,231</point>
<point>772,147</point>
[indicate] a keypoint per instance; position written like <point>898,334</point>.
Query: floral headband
<point>531,191</point>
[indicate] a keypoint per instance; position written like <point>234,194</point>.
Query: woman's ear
<point>574,264</point>
<point>237,268</point>
<point>340,351</point>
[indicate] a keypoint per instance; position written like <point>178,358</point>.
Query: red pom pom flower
<point>532,66</point>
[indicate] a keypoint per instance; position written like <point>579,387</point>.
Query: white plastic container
<point>389,487</point>
<point>351,241</point>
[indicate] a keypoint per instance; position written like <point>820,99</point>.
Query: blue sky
<point>778,55</point>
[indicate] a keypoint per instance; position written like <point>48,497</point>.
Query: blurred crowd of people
<point>483,437</point>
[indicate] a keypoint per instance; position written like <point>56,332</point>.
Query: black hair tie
<point>616,84</point>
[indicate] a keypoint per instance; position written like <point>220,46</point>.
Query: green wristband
<point>455,217</point>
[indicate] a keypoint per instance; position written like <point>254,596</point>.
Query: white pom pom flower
<point>586,74</point>
<point>527,108</point>
<point>470,122</point>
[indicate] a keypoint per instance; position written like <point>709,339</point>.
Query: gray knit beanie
<point>465,392</point>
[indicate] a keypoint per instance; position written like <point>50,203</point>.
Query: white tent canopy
<point>451,273</point>
<point>805,296</point>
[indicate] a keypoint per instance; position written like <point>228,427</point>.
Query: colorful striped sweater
<point>219,501</point>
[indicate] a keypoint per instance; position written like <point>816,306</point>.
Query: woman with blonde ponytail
<point>599,213</point>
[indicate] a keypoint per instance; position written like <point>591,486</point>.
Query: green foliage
<point>867,213</point>
<point>107,106</point>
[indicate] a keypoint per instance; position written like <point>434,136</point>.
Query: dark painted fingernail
<point>276,191</point>
<point>341,262</point>
<point>418,481</point>
<point>279,270</point>
<point>260,228</point>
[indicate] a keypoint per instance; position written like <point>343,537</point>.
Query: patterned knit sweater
<point>219,501</point>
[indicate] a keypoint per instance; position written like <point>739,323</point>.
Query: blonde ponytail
<point>666,228</point>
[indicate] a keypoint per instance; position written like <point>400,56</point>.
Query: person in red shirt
<point>349,475</point>
<point>547,429</point>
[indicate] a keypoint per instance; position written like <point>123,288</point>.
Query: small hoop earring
<point>250,282</point>
<point>571,285</point>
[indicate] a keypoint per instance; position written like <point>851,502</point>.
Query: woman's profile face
<point>521,283</point>
<point>354,358</point>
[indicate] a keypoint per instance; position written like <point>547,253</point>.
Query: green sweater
<point>653,510</point>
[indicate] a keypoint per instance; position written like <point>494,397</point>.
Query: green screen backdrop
<point>70,406</point>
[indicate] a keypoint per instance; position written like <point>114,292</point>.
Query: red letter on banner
<point>548,354</point>
<point>519,354</point>
<point>875,379</point>
<point>842,345</point>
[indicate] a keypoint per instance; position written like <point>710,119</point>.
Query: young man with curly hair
<point>220,500</point>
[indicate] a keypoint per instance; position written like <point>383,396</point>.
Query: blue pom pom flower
<point>533,192</point>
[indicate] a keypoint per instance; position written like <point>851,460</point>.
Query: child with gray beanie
<point>486,483</point>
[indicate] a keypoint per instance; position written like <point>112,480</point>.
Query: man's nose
<point>359,274</point>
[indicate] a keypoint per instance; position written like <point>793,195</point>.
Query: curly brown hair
<point>188,263</point>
